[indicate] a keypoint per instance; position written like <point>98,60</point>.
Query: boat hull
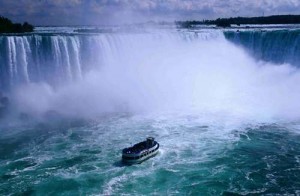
<point>138,158</point>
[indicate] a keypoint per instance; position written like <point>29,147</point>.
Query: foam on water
<point>197,156</point>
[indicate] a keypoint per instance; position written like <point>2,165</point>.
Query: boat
<point>140,151</point>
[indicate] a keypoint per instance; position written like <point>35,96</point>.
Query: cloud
<point>76,12</point>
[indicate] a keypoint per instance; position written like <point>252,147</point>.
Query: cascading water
<point>50,59</point>
<point>279,46</point>
<point>60,58</point>
<point>227,123</point>
<point>112,69</point>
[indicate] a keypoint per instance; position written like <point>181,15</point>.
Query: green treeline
<point>7,26</point>
<point>227,22</point>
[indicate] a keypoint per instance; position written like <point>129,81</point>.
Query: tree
<point>7,26</point>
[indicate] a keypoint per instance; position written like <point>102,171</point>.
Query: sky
<point>106,12</point>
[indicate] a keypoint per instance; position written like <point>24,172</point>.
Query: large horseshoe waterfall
<point>58,58</point>
<point>223,105</point>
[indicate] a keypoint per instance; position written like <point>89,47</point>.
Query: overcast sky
<point>94,12</point>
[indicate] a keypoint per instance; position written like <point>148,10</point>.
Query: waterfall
<point>56,59</point>
<point>40,58</point>
<point>59,58</point>
<point>280,46</point>
<point>186,70</point>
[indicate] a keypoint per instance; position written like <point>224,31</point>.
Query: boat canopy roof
<point>139,147</point>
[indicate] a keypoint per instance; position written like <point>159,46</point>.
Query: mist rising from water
<point>145,75</point>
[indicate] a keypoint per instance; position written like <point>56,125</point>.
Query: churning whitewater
<point>224,106</point>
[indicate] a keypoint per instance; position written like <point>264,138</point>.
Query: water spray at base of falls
<point>86,76</point>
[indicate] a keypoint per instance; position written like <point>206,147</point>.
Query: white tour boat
<point>141,151</point>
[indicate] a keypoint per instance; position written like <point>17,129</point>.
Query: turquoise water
<point>224,106</point>
<point>197,157</point>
